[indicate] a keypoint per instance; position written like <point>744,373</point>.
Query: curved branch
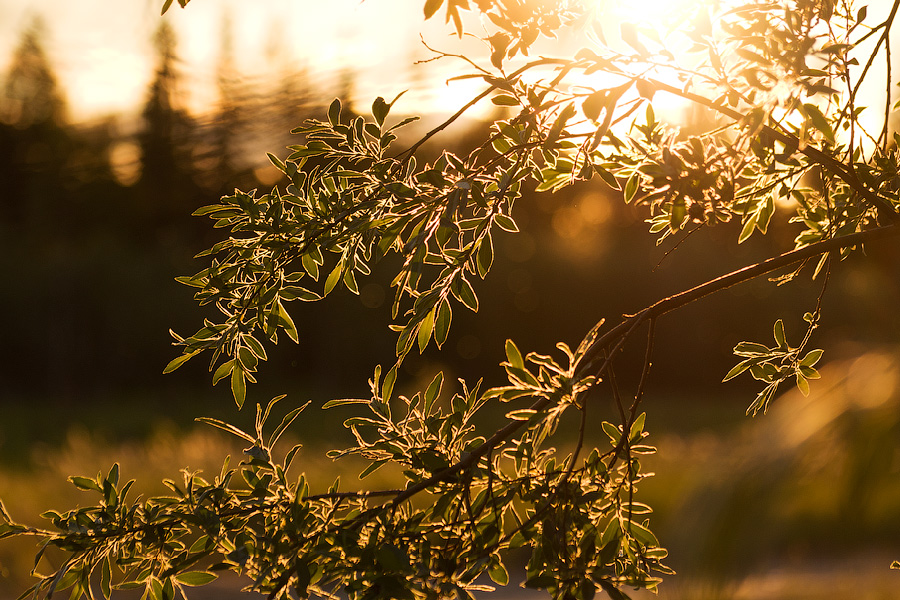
<point>608,345</point>
<point>747,273</point>
<point>450,120</point>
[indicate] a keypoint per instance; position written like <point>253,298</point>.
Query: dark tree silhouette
<point>31,95</point>
<point>34,145</point>
<point>166,187</point>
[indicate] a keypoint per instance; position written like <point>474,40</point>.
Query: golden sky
<point>102,50</point>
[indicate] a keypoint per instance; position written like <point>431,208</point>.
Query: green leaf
<point>333,279</point>
<point>388,387</point>
<point>380,110</point>
<point>350,281</point>
<point>374,466</point>
<point>196,578</point>
<point>285,423</point>
<point>166,5</point>
<point>802,384</point>
<point>310,266</point>
<point>433,391</point>
<point>255,347</point>
<point>497,572</point>
<point>463,292</point>
<point>223,371</point>
<point>521,414</point>
<point>226,427</point>
<point>738,369</point>
<point>334,112</point>
<point>612,432</point>
<point>295,292</point>
<point>425,329</point>
<point>180,360</point>
<point>631,187</point>
<point>506,223</point>
<point>637,428</point>
<point>751,349</point>
<point>607,177</point>
<point>809,373</point>
<point>238,387</point>
<point>277,162</point>
<point>168,589</point>
<point>513,356</point>
<point>643,535</point>
<point>288,323</point>
<point>105,578</point>
<point>811,358</point>
<point>778,331</point>
<point>442,323</point>
<point>766,210</point>
<point>504,100</point>
<point>749,226</point>
<point>485,257</point>
<point>819,121</point>
<point>343,402</point>
<point>84,483</point>
<point>113,475</point>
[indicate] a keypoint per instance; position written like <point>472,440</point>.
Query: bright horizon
<point>104,60</point>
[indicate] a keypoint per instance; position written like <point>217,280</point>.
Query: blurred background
<point>115,124</point>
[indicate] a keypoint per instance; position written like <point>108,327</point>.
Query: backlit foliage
<point>780,83</point>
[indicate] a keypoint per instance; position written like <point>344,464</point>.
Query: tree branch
<point>726,281</point>
<point>834,166</point>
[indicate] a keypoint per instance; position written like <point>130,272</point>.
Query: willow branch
<point>828,162</point>
<point>450,120</point>
<point>666,305</point>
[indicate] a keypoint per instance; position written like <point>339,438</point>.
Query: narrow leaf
<point>238,387</point>
<point>180,360</point>
<point>226,427</point>
<point>779,334</point>
<point>442,323</point>
<point>288,323</point>
<point>738,369</point>
<point>425,329</point>
<point>513,356</point>
<point>196,578</point>
<point>223,371</point>
<point>333,279</point>
<point>485,256</point>
<point>465,294</point>
<point>811,358</point>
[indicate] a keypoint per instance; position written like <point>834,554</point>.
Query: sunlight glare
<point>660,15</point>
<point>652,21</point>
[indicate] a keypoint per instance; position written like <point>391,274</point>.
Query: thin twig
<point>747,273</point>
